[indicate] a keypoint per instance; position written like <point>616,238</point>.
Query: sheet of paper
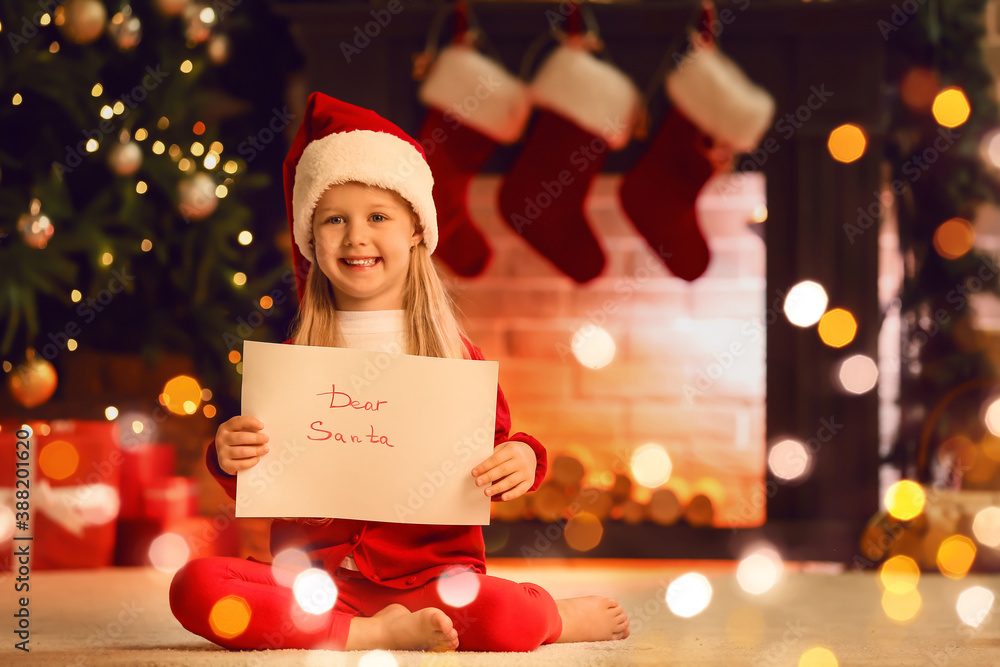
<point>367,435</point>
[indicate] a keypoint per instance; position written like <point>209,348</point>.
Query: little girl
<point>364,226</point>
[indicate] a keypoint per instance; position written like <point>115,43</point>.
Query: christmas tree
<point>944,116</point>
<point>127,178</point>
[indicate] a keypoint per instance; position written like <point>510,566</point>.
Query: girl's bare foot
<point>592,619</point>
<point>396,627</point>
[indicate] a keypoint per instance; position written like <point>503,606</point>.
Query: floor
<point>121,617</point>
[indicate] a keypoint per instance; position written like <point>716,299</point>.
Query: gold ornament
<point>125,158</point>
<point>33,382</point>
<point>197,196</point>
<point>81,21</point>
<point>125,28</point>
<point>35,227</point>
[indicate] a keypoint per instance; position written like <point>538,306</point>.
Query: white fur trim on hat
<point>375,158</point>
<point>715,94</point>
<point>477,92</point>
<point>590,92</point>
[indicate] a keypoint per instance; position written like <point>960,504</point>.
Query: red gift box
<point>171,498</point>
<point>73,494</point>
<point>142,466</point>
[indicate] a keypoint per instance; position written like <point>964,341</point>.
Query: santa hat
<point>337,143</point>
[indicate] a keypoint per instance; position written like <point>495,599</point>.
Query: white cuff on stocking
<point>478,92</point>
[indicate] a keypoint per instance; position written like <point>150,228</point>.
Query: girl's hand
<point>239,443</point>
<point>511,469</point>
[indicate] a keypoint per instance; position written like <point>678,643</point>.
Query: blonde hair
<point>433,330</point>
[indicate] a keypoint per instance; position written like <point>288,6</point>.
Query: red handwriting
<point>339,437</point>
<point>348,402</point>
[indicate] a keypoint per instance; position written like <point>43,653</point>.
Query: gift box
<point>73,488</point>
<point>170,498</point>
<point>143,465</point>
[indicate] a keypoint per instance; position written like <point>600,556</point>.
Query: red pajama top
<point>398,555</point>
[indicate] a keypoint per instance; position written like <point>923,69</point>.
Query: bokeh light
<point>287,565</point>
<point>583,531</point>
<point>315,591</point>
<point>858,374</point>
<point>788,459</point>
<point>993,417</point>
<point>951,107</point>
<point>900,574</point>
<point>953,238</point>
<point>229,617</point>
<point>98,504</point>
<point>818,657</point>
<point>805,303</point>
<point>905,500</point>
<point>974,605</point>
<point>651,465</point>
<point>989,149</point>
<point>837,327</point>
<point>689,594</point>
<point>377,658</point>
<point>918,88</point>
<point>593,347</point>
<point>986,526</point>
<point>58,459</point>
<point>847,143</point>
<point>458,586</point>
<point>759,572</point>
<point>169,552</point>
<point>111,413</point>
<point>901,607</point>
<point>955,556</point>
<point>182,395</point>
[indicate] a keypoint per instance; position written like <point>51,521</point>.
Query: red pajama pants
<point>504,616</point>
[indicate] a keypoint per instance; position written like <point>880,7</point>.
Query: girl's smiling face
<point>362,236</point>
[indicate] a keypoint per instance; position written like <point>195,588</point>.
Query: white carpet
<point>121,617</point>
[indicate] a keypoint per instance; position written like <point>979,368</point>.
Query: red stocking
<point>475,106</point>
<point>717,111</point>
<point>586,107</point>
<point>659,192</point>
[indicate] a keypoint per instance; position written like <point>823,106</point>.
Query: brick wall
<point>688,371</point>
